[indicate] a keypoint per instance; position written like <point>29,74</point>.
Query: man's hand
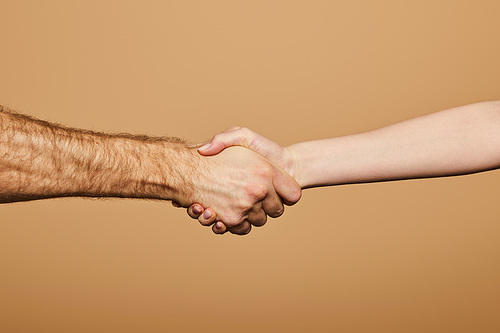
<point>242,187</point>
<point>238,136</point>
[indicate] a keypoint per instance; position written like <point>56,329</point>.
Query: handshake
<point>241,179</point>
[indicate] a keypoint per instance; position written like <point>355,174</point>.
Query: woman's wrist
<point>293,164</point>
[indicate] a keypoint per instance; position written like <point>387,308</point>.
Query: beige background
<point>412,256</point>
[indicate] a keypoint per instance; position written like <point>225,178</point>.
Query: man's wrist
<point>154,170</point>
<point>171,172</point>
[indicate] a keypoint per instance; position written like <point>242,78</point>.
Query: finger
<point>219,228</point>
<point>175,204</point>
<point>208,217</point>
<point>257,217</point>
<point>195,210</point>
<point>286,187</point>
<point>241,229</point>
<point>273,205</point>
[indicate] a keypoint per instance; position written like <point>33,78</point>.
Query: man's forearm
<point>43,160</point>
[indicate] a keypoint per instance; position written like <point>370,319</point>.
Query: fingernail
<point>204,147</point>
<point>218,225</point>
<point>197,209</point>
<point>207,214</point>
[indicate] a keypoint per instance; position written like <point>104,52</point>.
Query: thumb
<point>219,143</point>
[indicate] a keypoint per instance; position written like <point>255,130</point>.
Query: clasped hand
<point>249,178</point>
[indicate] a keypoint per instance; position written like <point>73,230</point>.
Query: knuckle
<point>233,128</point>
<point>246,136</point>
<point>264,171</point>
<point>217,137</point>
<point>260,222</point>
<point>245,131</point>
<point>267,169</point>
<point>295,195</point>
<point>279,211</point>
<point>257,192</point>
<point>233,220</point>
<point>241,232</point>
<point>243,204</point>
<point>246,232</point>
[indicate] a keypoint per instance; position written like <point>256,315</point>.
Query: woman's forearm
<point>457,141</point>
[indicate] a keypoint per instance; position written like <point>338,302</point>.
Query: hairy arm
<point>44,160</point>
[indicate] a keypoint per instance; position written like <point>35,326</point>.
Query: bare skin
<point>457,141</point>
<point>42,160</point>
